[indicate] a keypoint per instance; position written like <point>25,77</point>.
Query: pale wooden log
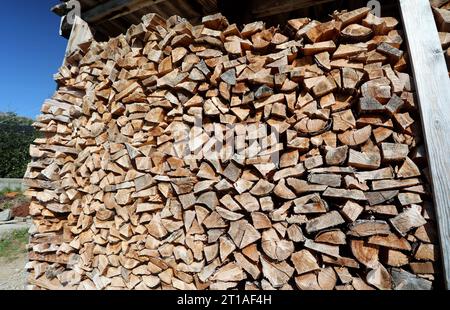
<point>334,236</point>
<point>394,184</point>
<point>278,274</point>
<point>396,258</point>
<point>355,137</point>
<point>442,19</point>
<point>327,278</point>
<point>353,16</point>
<point>336,156</point>
<point>391,241</point>
<point>375,198</point>
<point>331,250</point>
<point>327,220</point>
<point>408,219</point>
<point>274,247</point>
<point>394,151</point>
<point>248,266</point>
<point>364,160</point>
<point>364,228</point>
<point>243,233</point>
<point>344,194</point>
<point>365,253</point>
<point>422,268</point>
<point>351,210</point>
<point>304,262</point>
<point>319,47</point>
<point>380,278</point>
<point>426,252</point>
<point>356,32</point>
<point>404,280</point>
<point>341,261</point>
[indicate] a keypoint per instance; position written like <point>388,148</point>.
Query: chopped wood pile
<point>441,11</point>
<point>324,187</point>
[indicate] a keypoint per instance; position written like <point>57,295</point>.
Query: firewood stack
<point>441,10</point>
<point>118,203</point>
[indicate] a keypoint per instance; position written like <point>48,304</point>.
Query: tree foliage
<point>16,135</point>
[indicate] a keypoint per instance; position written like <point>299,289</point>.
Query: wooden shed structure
<point>108,18</point>
<point>111,17</point>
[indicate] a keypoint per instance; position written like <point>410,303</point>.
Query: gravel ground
<point>12,269</point>
<point>12,273</point>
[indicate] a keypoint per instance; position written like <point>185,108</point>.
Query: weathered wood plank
<point>433,89</point>
<point>81,33</point>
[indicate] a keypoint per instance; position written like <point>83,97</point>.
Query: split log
<point>344,193</point>
<point>376,198</point>
<point>274,247</point>
<point>391,241</point>
<point>327,220</point>
<point>304,262</point>
<point>364,228</point>
<point>356,32</point>
<point>278,274</point>
<point>365,253</point>
<point>334,236</point>
<point>426,252</point>
<point>442,17</point>
<point>243,234</point>
<point>396,258</point>
<point>351,210</point>
<point>422,268</point>
<point>380,278</point>
<point>404,280</point>
<point>408,219</point>
<point>355,137</point>
<point>331,250</point>
<point>394,151</point>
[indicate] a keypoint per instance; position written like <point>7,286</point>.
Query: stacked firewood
<point>441,10</point>
<point>324,187</point>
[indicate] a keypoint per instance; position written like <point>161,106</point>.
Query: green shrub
<point>16,135</point>
<point>14,243</point>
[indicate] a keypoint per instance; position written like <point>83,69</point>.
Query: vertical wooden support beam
<point>433,91</point>
<point>81,33</point>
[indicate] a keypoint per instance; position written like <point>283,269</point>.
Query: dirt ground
<point>13,255</point>
<point>13,240</point>
<point>12,272</point>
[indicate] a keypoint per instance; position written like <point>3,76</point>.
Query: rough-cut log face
<point>441,11</point>
<point>218,157</point>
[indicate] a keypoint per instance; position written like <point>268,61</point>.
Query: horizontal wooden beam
<point>433,91</point>
<point>113,9</point>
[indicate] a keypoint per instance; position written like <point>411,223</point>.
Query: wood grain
<point>81,33</point>
<point>433,89</point>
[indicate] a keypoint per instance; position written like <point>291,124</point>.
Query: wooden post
<point>81,33</point>
<point>433,90</point>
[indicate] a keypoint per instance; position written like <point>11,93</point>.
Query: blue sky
<point>31,51</point>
